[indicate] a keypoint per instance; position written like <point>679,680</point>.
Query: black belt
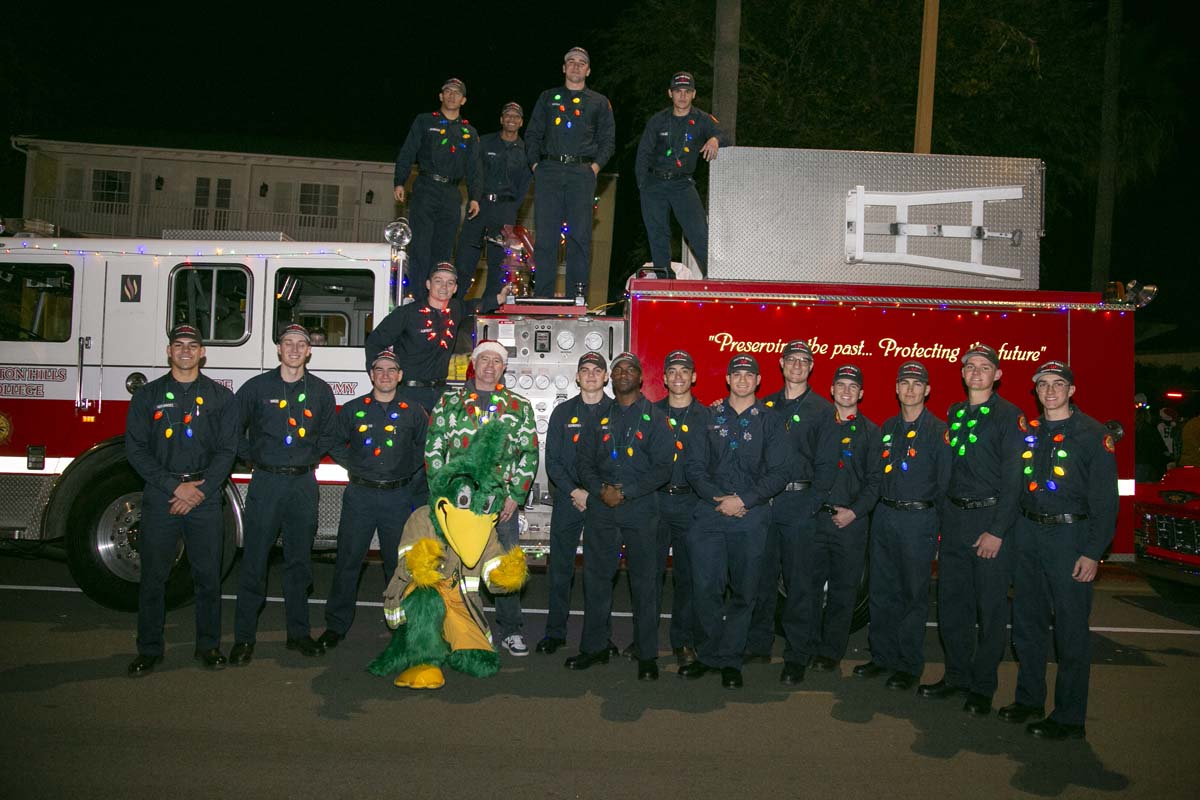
<point>296,470</point>
<point>827,509</point>
<point>425,384</point>
<point>570,159</point>
<point>667,175</point>
<point>1053,519</point>
<point>498,198</point>
<point>438,178</point>
<point>676,488</point>
<point>187,477</point>
<point>378,484</point>
<point>797,486</point>
<point>907,505</point>
<point>983,502</point>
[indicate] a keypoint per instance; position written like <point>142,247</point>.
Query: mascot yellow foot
<point>421,676</point>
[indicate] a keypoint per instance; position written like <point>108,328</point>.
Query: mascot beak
<point>466,532</point>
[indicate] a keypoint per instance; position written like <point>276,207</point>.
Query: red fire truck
<point>83,323</point>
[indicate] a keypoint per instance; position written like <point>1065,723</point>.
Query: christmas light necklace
<point>630,433</point>
<point>677,427</point>
<point>1055,460</point>
<point>905,447</point>
<point>685,136</point>
<point>305,412</point>
<point>958,440</point>
<point>169,431</point>
<point>847,452</point>
<point>389,428</point>
<point>576,110</point>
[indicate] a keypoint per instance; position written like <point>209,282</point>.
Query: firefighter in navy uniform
<point>915,465</point>
<point>671,145</point>
<point>569,422</point>
<point>446,147</point>
<point>985,437</point>
<point>687,417</point>
<point>422,335</point>
<point>380,440</point>
<point>841,529</point>
<point>791,534</point>
<point>1068,514</point>
<point>622,463</point>
<point>181,436</point>
<point>289,418</point>
<point>506,179</point>
<point>571,136</point>
<point>735,468</point>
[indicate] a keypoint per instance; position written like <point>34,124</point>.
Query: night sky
<point>293,83</point>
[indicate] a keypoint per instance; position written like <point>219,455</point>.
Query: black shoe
<point>901,681</point>
<point>241,653</point>
<point>1055,731</point>
<point>731,678</point>
<point>613,650</point>
<point>1019,713</point>
<point>684,655</point>
<point>823,664</point>
<point>756,658</point>
<point>937,691</point>
<point>585,660</point>
<point>647,670</point>
<point>211,658</point>
<point>869,670</point>
<point>329,639</point>
<point>696,669</point>
<point>308,646</point>
<point>550,644</point>
<point>631,652</point>
<point>143,665</point>
<point>979,705</point>
<point>793,673</point>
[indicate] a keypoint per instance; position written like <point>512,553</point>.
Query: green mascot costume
<point>447,551</point>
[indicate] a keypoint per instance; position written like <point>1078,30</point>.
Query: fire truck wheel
<point>102,543</point>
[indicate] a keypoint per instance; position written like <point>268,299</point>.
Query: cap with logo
<point>679,357</point>
<point>516,107</point>
<point>443,266</point>
<point>627,357</point>
<point>683,80</point>
<point>592,358</point>
<point>742,363</point>
<point>185,332</point>
<point>914,370</point>
<point>848,372</point>
<point>578,52</point>
<point>294,330</point>
<point>797,347</point>
<point>983,350</point>
<point>455,83</point>
<point>387,354</point>
<point>1056,368</point>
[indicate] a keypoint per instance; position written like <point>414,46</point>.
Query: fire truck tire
<point>102,548</point>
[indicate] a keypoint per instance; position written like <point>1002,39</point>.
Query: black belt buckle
<point>968,503</point>
<point>906,505</point>
<point>498,198</point>
<point>303,469</point>
<point>667,175</point>
<point>424,384</point>
<point>188,477</point>
<point>797,486</point>
<point>436,177</point>
<point>676,489</point>
<point>1053,519</point>
<point>571,159</point>
<point>370,484</point>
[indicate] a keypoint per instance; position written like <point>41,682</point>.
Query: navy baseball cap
<point>386,354</point>
<point>513,107</point>
<point>455,83</point>
<point>185,332</point>
<point>797,346</point>
<point>913,369</point>
<point>580,52</point>
<point>683,80</point>
<point>983,350</point>
<point>742,363</point>
<point>592,358</point>
<point>630,357</point>
<point>681,357</point>
<point>294,330</point>
<point>848,372</point>
<point>1056,368</point>
<point>444,266</point>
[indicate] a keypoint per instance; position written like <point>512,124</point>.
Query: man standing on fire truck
<point>455,420</point>
<point>422,335</point>
<point>670,148</point>
<point>1068,515</point>
<point>447,148</point>
<point>806,417</point>
<point>915,465</point>
<point>569,424</point>
<point>736,467</point>
<point>571,136</point>
<point>181,436</point>
<point>506,179</point>
<point>289,418</point>
<point>380,440</point>
<point>974,563</point>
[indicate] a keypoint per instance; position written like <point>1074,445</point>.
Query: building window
<point>336,302</point>
<point>318,205</point>
<point>36,302</point>
<point>110,191</point>
<point>212,297</point>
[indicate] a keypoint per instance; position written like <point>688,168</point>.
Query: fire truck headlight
<point>135,381</point>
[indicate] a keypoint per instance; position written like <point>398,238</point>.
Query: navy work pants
<point>903,544</point>
<point>675,513</point>
<point>838,555</point>
<point>202,530</point>
<point>364,511</point>
<point>1043,586</point>
<point>725,552</point>
<point>492,217</point>
<point>971,591</point>
<point>276,503</point>
<point>563,193</point>
<point>794,528</point>
<point>659,199</point>
<point>634,523</point>
<point>434,214</point>
<point>566,525</point>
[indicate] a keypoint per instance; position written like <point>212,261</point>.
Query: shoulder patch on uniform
<point>713,117</point>
<point>1021,423</point>
<point>946,436</point>
<point>1110,444</point>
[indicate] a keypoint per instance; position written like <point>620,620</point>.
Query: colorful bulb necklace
<point>388,428</point>
<point>186,422</point>
<point>960,438</point>
<point>292,423</point>
<point>847,441</point>
<point>632,433</point>
<point>677,427</point>
<point>1055,460</point>
<point>904,448</point>
<point>572,115</point>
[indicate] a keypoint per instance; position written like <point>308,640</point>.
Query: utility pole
<point>925,83</point>
<point>726,61</point>
<point>1106,181</point>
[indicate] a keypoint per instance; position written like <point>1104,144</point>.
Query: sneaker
<point>515,645</point>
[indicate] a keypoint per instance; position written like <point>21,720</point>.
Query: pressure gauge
<point>566,340</point>
<point>542,425</point>
<point>525,381</point>
<point>561,382</point>
<point>593,341</point>
<point>542,381</point>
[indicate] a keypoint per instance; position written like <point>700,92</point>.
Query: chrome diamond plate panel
<point>780,215</point>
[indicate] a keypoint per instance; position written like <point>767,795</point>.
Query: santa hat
<point>489,346</point>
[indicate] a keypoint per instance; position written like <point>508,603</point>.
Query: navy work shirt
<point>566,122</point>
<point>287,424</point>
<point>505,169</point>
<point>806,419</point>
<point>380,441</point>
<point>671,144</point>
<point>569,421</point>
<point>990,465</point>
<point>743,454</point>
<point>687,424</point>
<point>446,147</point>
<point>854,444</point>
<point>421,336</point>
<point>631,447</point>
<point>914,460</point>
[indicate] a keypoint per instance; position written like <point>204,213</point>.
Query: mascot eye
<point>464,497</point>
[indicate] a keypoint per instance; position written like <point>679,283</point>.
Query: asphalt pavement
<point>288,726</point>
